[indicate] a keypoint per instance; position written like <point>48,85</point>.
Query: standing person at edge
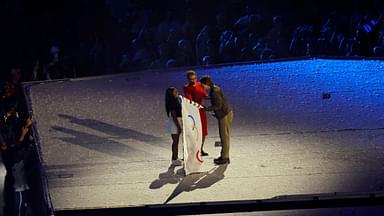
<point>175,124</point>
<point>224,115</point>
<point>194,91</point>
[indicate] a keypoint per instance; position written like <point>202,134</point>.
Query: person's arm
<point>24,132</point>
<point>187,93</point>
<point>25,129</point>
<point>174,118</point>
<point>216,100</point>
<point>205,95</point>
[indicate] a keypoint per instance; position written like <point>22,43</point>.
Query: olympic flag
<point>192,136</point>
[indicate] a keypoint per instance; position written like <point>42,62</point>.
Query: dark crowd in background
<point>75,38</point>
<point>16,145</point>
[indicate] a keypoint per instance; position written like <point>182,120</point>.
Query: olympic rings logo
<point>196,130</point>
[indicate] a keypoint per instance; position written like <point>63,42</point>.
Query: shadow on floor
<point>103,144</point>
<point>169,177</point>
<point>198,181</point>
<point>93,142</point>
<point>112,130</point>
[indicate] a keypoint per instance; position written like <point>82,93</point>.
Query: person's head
<point>11,109</point>
<point>191,76</point>
<point>12,130</point>
<point>171,98</point>
<point>207,82</point>
<point>206,60</point>
<point>277,20</point>
<point>15,74</point>
<point>173,92</point>
<point>182,44</point>
<point>171,63</point>
<point>378,50</point>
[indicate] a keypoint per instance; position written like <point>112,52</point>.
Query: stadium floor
<point>105,145</point>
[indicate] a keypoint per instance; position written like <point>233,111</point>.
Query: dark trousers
<point>21,200</point>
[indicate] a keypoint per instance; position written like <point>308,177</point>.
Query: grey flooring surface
<point>105,144</point>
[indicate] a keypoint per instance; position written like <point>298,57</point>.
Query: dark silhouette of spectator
<point>142,57</point>
<point>52,69</point>
<point>125,64</point>
<point>249,23</point>
<point>12,90</point>
<point>206,61</point>
<point>189,27</point>
<point>15,149</point>
<point>35,71</point>
<point>228,47</point>
<point>301,39</point>
<point>96,55</point>
<point>266,52</point>
<point>276,37</point>
<point>19,173</point>
<point>171,63</point>
<point>161,62</point>
<point>379,48</point>
<point>169,23</point>
<point>222,22</point>
<point>172,42</point>
<point>10,125</point>
<point>205,45</point>
<point>101,38</point>
<point>247,52</point>
<point>185,54</point>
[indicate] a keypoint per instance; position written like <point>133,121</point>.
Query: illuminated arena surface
<point>105,145</point>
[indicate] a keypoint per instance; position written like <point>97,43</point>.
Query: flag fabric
<point>192,136</point>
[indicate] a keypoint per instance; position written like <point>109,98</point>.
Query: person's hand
<point>178,130</point>
<point>28,122</point>
<point>24,131</point>
<point>205,108</point>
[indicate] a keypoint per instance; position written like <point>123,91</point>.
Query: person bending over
<point>223,113</point>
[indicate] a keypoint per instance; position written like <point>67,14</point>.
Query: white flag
<point>192,136</point>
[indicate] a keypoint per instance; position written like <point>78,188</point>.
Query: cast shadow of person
<point>168,177</point>
<point>94,142</point>
<point>112,130</point>
<point>198,181</point>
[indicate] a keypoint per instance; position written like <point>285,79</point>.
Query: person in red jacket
<point>195,91</point>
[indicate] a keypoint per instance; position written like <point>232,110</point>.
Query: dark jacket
<point>219,103</point>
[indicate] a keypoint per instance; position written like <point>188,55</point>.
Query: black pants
<point>21,201</point>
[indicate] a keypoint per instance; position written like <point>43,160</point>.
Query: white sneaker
<point>177,162</point>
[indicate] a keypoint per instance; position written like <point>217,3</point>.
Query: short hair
<point>190,73</point>
<point>206,80</point>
